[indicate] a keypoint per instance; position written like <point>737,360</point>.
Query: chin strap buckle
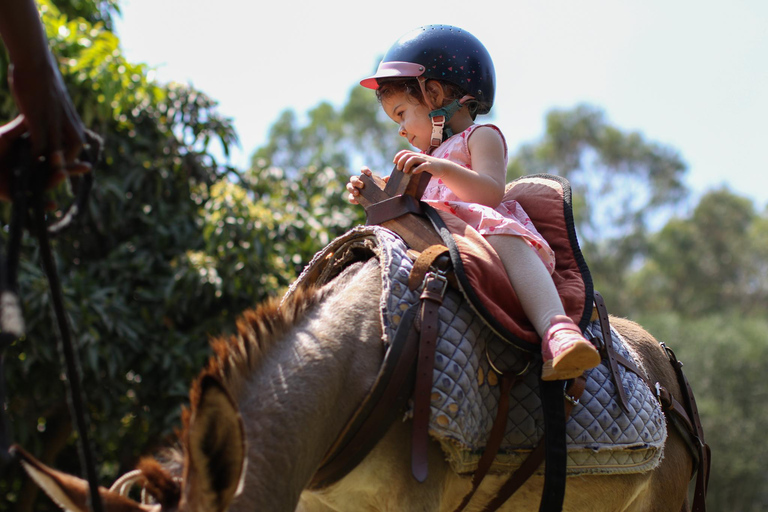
<point>438,123</point>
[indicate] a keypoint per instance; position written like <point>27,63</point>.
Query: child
<point>433,82</point>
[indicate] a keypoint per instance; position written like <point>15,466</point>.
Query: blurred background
<point>231,128</point>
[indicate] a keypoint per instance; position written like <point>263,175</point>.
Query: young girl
<point>433,82</point>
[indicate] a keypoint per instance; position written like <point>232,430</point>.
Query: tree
<point>710,262</point>
<point>357,134</point>
<point>620,183</point>
<point>173,246</point>
<point>120,265</point>
<point>702,290</point>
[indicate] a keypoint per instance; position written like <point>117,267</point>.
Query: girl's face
<point>411,116</point>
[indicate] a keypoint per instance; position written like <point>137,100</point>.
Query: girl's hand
<point>411,162</point>
<point>355,184</point>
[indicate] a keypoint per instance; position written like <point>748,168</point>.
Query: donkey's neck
<point>301,394</point>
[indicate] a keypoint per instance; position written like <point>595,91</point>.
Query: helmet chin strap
<point>440,116</point>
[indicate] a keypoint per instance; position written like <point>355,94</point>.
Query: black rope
<point>66,347</point>
<point>11,320</point>
<point>24,188</point>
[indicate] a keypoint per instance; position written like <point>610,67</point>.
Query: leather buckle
<point>431,281</point>
<point>571,399</point>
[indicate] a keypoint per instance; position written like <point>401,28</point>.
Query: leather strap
<point>631,366</point>
<point>528,467</point>
<point>424,262</point>
<point>494,438</point>
<point>609,352</point>
<point>697,435</point>
<point>672,406</point>
<point>435,285</point>
<point>386,399</point>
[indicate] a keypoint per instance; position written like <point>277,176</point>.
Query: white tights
<point>529,277</point>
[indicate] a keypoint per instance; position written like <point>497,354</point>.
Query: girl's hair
<point>410,86</point>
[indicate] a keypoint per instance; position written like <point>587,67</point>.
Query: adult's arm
<point>55,128</point>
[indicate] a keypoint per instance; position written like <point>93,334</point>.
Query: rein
<point>27,184</point>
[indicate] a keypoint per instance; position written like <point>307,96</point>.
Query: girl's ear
<point>435,92</point>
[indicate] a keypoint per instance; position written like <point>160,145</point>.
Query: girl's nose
<point>402,132</point>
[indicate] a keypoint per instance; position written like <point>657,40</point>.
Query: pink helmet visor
<point>393,70</point>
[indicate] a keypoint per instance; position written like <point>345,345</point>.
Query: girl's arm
<point>483,184</point>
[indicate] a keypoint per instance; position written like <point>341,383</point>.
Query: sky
<point>690,74</point>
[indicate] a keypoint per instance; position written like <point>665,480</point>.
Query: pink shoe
<point>565,352</point>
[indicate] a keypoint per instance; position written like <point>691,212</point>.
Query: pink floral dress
<point>508,218</point>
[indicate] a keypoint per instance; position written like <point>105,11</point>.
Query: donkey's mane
<point>258,330</point>
<point>234,357</point>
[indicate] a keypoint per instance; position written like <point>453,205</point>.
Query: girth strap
<point>534,459</point>
<point>696,432</point>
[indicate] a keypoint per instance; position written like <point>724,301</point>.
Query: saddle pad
<point>601,437</point>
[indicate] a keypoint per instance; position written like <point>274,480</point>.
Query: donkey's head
<point>213,470</point>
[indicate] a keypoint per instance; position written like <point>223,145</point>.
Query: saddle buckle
<point>435,285</point>
<point>571,399</point>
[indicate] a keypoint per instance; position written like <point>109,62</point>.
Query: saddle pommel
<point>394,204</point>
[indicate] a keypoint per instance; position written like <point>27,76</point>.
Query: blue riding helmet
<point>441,52</point>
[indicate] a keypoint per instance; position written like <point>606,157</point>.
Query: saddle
<point>446,251</point>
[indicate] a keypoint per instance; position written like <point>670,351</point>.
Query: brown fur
<point>159,483</point>
<point>258,330</point>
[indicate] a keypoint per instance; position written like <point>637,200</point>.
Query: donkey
<point>274,397</point>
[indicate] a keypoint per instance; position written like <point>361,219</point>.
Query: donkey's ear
<point>69,492</point>
<point>216,449</point>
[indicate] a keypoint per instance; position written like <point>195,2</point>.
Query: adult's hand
<point>55,128</point>
<point>56,132</point>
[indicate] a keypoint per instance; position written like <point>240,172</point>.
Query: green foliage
<point>122,266</point>
<point>173,246</point>
<point>712,261</point>
<point>355,135</point>
<point>619,178</point>
<point>93,11</point>
<point>261,231</point>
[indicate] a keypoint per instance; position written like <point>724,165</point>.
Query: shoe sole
<point>571,363</point>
